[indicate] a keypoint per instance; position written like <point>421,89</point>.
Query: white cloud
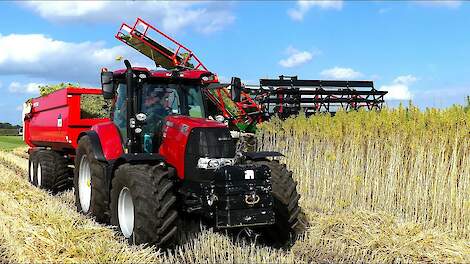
<point>399,89</point>
<point>405,79</point>
<point>441,3</point>
<point>171,16</point>
<point>302,7</point>
<point>296,58</point>
<point>397,92</point>
<point>341,73</point>
<point>61,9</point>
<point>38,56</point>
<point>31,88</point>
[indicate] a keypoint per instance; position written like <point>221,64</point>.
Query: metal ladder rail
<point>180,56</point>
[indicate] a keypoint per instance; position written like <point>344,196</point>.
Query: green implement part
<point>241,117</point>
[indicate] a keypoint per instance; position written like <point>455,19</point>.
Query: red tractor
<point>159,160</point>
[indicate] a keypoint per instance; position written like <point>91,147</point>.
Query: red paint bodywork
<point>176,136</point>
<point>42,127</point>
<point>110,139</point>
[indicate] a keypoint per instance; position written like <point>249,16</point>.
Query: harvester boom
<point>148,40</point>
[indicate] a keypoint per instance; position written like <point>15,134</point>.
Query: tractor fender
<point>95,144</point>
<point>259,155</point>
<point>106,141</point>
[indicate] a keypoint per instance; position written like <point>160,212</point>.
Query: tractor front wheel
<point>143,205</point>
<point>290,220</point>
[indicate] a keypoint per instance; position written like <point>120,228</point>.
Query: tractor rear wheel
<point>50,171</point>
<point>290,220</point>
<point>143,205</point>
<point>91,191</point>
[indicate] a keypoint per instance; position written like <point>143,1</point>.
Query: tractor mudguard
<point>95,144</point>
<point>106,141</point>
<point>262,155</point>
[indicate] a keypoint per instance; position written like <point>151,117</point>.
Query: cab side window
<point>120,111</point>
<point>195,103</point>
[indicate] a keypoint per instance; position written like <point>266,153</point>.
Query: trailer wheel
<point>32,167</point>
<point>290,220</point>
<point>143,205</point>
<point>52,172</point>
<point>90,189</point>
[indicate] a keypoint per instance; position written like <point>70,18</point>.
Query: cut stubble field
<point>380,187</point>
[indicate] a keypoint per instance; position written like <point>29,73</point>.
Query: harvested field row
<point>37,227</point>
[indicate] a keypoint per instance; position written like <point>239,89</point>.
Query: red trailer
<point>55,121</point>
<point>52,125</point>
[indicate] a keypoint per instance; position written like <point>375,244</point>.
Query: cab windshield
<point>160,100</point>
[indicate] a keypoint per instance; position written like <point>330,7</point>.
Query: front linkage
<point>247,192</point>
<point>237,196</point>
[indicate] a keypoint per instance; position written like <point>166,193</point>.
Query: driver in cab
<point>154,106</point>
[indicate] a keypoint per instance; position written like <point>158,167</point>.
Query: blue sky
<point>417,50</point>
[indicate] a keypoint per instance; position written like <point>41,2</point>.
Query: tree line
<point>8,126</point>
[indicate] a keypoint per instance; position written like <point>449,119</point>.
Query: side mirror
<point>107,85</point>
<point>236,89</point>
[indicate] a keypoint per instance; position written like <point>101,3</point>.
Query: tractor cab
<point>155,95</point>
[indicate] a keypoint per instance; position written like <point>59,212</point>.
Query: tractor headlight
<point>219,118</point>
<point>210,78</point>
<point>132,123</point>
<point>141,117</point>
<point>212,164</point>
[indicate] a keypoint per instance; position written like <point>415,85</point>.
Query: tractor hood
<point>184,135</point>
<point>192,122</point>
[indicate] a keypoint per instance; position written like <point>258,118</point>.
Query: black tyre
<point>290,220</point>
<point>32,167</point>
<point>91,190</point>
<point>143,205</point>
<point>51,171</point>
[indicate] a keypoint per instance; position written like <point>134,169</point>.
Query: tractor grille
<point>210,143</point>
